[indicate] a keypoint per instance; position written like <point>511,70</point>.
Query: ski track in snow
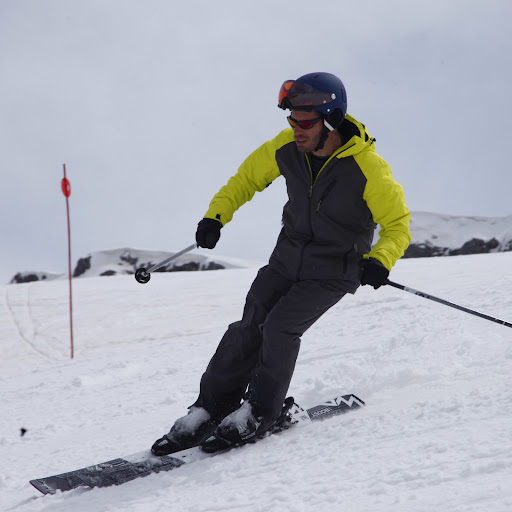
<point>20,315</point>
<point>434,436</point>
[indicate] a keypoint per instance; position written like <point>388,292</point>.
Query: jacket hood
<point>357,138</point>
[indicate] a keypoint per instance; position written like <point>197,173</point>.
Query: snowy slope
<point>434,234</point>
<point>434,436</point>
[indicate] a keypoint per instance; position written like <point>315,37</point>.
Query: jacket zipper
<point>322,198</point>
<point>310,196</point>
<point>319,172</point>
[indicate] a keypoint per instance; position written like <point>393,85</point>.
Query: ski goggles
<point>304,125</point>
<point>299,96</point>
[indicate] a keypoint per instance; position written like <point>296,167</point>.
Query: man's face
<point>307,140</point>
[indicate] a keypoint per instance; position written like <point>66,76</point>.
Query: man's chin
<point>302,147</point>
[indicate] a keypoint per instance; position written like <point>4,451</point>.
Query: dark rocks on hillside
<point>82,266</point>
<point>476,246</point>
<point>473,246</point>
<point>424,250</point>
<point>123,264</point>
<point>108,273</point>
<point>128,263</point>
<point>21,277</point>
<point>128,258</point>
<point>190,266</point>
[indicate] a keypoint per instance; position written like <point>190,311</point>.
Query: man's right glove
<point>208,233</point>
<point>373,272</point>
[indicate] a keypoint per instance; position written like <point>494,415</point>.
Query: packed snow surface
<point>435,434</point>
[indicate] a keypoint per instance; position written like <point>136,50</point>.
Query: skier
<point>339,189</point>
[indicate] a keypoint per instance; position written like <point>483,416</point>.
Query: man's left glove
<point>374,273</point>
<point>208,233</point>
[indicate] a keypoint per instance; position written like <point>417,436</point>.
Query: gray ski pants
<point>258,353</point>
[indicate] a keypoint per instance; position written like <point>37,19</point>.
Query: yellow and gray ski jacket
<point>328,223</point>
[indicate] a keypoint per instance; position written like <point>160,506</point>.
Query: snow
<point>452,231</point>
<point>434,435</point>
<point>191,421</point>
<point>240,419</point>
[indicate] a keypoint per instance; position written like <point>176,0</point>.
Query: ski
<point>122,470</point>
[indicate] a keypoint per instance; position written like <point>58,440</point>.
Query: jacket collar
<point>358,138</point>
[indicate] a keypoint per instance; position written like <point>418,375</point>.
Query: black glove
<point>373,272</point>
<point>208,233</point>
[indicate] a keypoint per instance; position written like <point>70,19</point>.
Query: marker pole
<point>66,190</point>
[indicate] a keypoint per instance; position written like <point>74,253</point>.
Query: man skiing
<point>339,189</point>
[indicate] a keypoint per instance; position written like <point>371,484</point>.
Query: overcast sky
<point>154,104</point>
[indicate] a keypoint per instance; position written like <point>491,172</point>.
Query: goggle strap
<point>328,125</point>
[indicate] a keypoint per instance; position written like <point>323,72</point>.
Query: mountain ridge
<point>432,235</point>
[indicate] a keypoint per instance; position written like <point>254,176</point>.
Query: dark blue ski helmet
<point>323,92</point>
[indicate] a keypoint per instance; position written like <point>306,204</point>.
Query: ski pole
<point>446,303</point>
<point>143,275</point>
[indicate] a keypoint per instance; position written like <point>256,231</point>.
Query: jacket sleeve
<point>256,173</point>
<point>385,199</point>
